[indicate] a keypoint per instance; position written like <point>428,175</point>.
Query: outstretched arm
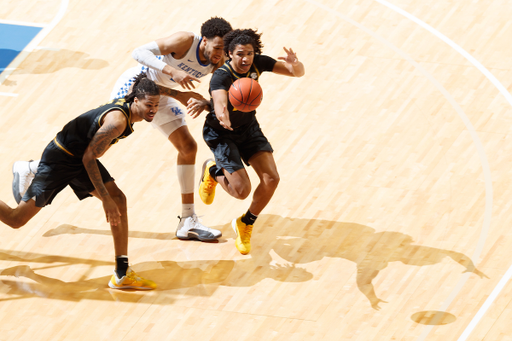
<point>289,65</point>
<point>177,45</point>
<point>194,102</point>
<point>113,125</point>
<point>466,262</point>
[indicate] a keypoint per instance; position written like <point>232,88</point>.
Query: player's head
<point>241,46</point>
<point>243,37</point>
<point>144,97</point>
<point>212,31</point>
<point>215,27</point>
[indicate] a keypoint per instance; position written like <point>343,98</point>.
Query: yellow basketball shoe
<point>207,183</point>
<point>243,235</point>
<point>131,281</point>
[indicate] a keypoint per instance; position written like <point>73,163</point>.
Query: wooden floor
<point>392,220</point>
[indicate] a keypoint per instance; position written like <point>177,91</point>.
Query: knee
<point>120,199</point>
<point>188,148</point>
<point>17,221</point>
<point>271,180</point>
<point>242,191</point>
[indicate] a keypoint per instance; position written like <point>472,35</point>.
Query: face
<point>146,108</point>
<point>213,49</point>
<point>242,58</point>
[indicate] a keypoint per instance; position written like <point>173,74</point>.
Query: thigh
<point>170,116</point>
<point>55,171</point>
<point>181,137</point>
<point>226,151</point>
<point>254,142</point>
<point>264,164</point>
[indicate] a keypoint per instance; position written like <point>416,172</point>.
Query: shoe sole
<point>198,237</point>
<point>16,185</point>
<point>129,287</point>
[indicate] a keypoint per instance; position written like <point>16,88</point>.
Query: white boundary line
<point>37,39</point>
<point>488,210</point>
<point>476,140</point>
<point>22,23</point>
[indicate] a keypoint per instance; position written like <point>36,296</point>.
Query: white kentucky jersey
<point>190,63</point>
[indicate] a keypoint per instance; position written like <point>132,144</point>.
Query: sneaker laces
<point>133,276</point>
<point>209,183</point>
<point>246,234</point>
<point>197,223</point>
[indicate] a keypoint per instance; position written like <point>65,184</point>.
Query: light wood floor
<point>395,156</point>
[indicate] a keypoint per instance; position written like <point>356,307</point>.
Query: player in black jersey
<point>235,136</point>
<point>71,158</point>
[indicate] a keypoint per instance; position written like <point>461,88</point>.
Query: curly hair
<point>243,37</point>
<point>141,87</point>
<point>215,27</point>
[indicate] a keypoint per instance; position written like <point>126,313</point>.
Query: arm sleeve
<point>146,55</point>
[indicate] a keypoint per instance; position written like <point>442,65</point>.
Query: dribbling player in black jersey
<point>234,136</point>
<point>71,158</point>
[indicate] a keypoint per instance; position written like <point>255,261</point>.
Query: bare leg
<point>119,232</point>
<point>237,184</point>
<point>265,166</point>
<point>19,216</point>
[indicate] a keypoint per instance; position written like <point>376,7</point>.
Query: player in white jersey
<point>178,60</point>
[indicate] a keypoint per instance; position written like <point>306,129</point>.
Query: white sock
<point>33,166</point>
<point>187,210</point>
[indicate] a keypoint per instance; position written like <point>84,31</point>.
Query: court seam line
<point>470,129</point>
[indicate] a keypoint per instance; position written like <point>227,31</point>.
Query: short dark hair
<point>142,86</point>
<point>243,37</point>
<point>215,27</point>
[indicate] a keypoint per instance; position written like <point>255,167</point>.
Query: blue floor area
<point>13,39</point>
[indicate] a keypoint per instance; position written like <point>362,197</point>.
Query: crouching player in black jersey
<point>72,159</point>
<point>234,136</point>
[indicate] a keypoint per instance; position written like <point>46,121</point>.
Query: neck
<point>134,117</point>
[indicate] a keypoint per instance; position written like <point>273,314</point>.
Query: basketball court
<point>392,217</point>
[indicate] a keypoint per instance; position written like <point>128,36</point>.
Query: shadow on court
<point>49,61</point>
<point>297,241</point>
<point>306,240</point>
<point>172,278</point>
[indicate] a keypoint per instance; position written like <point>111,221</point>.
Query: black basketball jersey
<point>77,134</point>
<point>222,79</point>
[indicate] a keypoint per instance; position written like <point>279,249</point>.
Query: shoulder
<point>115,118</point>
<point>178,42</point>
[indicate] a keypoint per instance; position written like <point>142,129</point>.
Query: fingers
<point>186,82</point>
<point>114,218</point>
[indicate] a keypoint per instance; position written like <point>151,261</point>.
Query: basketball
<point>245,94</point>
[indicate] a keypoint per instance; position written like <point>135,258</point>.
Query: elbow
<point>136,54</point>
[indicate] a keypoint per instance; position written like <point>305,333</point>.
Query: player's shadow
<point>190,278</point>
<point>301,241</point>
<point>306,240</point>
<point>49,61</point>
